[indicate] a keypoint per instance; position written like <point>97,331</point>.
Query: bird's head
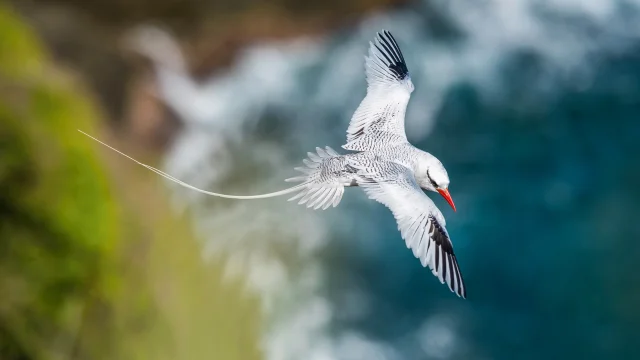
<point>431,175</point>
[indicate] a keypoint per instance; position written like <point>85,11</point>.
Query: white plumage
<point>421,224</point>
<point>383,163</point>
<point>389,88</point>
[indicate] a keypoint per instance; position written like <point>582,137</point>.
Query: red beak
<point>446,196</point>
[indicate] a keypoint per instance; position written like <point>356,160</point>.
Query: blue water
<point>549,240</point>
<point>533,108</point>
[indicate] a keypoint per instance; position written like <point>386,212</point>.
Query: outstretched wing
<point>421,224</point>
<point>381,113</point>
<point>325,175</point>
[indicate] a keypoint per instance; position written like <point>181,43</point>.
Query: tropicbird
<point>383,163</point>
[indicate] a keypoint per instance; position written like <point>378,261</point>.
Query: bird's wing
<point>325,175</point>
<point>389,87</point>
<point>421,224</point>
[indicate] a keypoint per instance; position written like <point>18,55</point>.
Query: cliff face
<point>89,268</point>
<point>532,107</point>
<point>91,38</point>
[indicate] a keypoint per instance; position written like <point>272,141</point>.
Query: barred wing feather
<point>421,224</point>
<point>388,92</point>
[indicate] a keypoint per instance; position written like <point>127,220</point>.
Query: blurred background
<point>532,106</point>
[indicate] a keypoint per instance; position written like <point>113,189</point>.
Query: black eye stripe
<point>431,180</point>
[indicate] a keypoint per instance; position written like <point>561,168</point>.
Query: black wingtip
<point>392,53</point>
<point>462,287</point>
<point>446,256</point>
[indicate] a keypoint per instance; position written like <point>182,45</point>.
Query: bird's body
<point>326,168</point>
<point>383,164</point>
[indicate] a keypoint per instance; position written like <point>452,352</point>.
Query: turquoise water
<point>533,109</point>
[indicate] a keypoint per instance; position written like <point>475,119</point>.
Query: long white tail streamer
<point>167,176</point>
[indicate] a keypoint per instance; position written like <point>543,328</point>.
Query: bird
<point>382,162</point>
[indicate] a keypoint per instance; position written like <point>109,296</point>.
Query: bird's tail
<point>179,182</point>
<point>321,189</point>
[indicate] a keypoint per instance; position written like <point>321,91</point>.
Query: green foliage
<point>20,52</point>
<point>90,269</point>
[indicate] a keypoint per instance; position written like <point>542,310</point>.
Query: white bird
<point>383,163</point>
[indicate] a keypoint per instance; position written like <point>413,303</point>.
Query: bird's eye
<point>431,180</point>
